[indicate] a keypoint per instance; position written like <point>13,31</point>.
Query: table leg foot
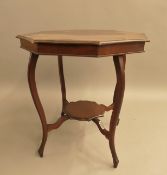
<point>114,154</point>
<point>115,162</point>
<point>42,146</point>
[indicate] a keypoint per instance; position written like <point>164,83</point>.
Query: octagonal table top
<point>94,37</point>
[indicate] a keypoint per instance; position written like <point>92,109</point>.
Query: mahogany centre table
<point>84,43</point>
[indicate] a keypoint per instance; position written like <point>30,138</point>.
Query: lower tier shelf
<point>85,110</point>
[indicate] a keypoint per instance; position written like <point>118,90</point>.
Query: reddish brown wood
<point>82,110</point>
<point>119,62</point>
<point>98,110</point>
<point>33,89</point>
<point>104,131</point>
<point>62,81</point>
<point>58,123</point>
<point>121,48</point>
<point>37,102</point>
<point>86,50</point>
<point>85,110</point>
<point>33,48</point>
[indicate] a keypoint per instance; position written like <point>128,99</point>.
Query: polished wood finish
<point>33,89</point>
<point>58,123</point>
<point>90,43</point>
<point>83,110</point>
<point>83,49</point>
<point>101,128</point>
<point>32,85</point>
<point>62,81</point>
<point>92,37</point>
<point>119,62</point>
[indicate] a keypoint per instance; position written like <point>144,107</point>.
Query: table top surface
<point>94,37</point>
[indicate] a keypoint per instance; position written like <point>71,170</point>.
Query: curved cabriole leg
<point>62,81</point>
<point>63,118</point>
<point>38,105</point>
<point>119,62</point>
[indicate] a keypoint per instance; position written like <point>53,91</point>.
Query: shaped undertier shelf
<point>85,110</point>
